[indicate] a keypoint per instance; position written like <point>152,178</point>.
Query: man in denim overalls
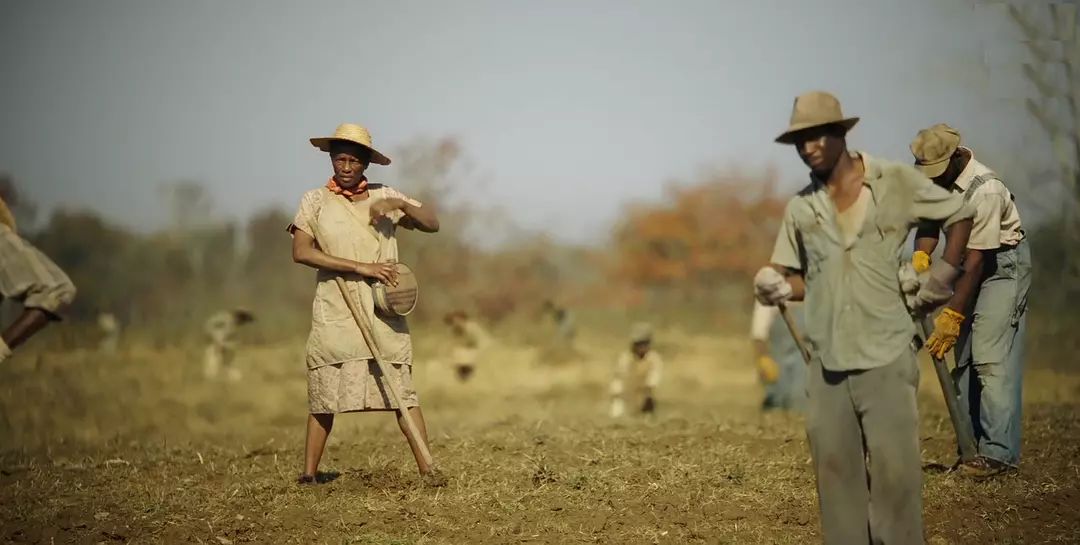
<point>988,331</point>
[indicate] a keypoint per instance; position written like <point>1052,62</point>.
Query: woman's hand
<point>382,207</point>
<point>384,272</point>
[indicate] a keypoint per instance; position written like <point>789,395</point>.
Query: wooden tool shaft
<point>961,420</point>
<point>794,330</point>
<point>366,331</point>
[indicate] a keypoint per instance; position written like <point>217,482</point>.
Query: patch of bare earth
<point>138,449</point>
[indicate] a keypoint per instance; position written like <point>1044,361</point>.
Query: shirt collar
<point>871,170</point>
<point>963,181</point>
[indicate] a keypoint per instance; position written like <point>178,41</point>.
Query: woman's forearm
<point>305,252</point>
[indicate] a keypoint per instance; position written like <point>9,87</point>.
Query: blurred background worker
<point>779,363</point>
<point>637,373</point>
<point>559,345</point>
<point>109,327</point>
<point>221,349</point>
<point>565,330</point>
<point>470,340</point>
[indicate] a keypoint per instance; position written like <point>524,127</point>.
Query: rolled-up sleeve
<point>307,214</point>
<point>986,232</point>
<point>786,249</point>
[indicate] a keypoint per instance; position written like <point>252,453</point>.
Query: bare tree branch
<point>1039,113</point>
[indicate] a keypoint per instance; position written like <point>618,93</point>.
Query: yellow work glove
<point>768,370</point>
<point>946,331</point>
<point>920,260</point>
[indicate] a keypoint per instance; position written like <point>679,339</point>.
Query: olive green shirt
<point>855,312</point>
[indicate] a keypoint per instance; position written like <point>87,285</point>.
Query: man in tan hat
<point>31,278</point>
<point>993,288</point>
<point>839,250</point>
<point>347,229</point>
<point>637,373</point>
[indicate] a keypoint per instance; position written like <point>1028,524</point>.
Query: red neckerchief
<point>351,193</point>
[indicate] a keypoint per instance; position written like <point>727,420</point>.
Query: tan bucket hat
<point>815,109</point>
<point>933,147</point>
<point>350,132</point>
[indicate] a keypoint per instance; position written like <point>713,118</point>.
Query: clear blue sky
<point>569,108</point>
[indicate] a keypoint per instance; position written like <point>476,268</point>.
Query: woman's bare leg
<point>25,326</point>
<point>418,418</point>
<point>318,429</point>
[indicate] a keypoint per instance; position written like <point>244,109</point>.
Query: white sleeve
<point>761,321</point>
<point>656,371</point>
<point>622,366</point>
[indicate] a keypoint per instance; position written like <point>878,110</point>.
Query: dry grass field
<point>137,448</point>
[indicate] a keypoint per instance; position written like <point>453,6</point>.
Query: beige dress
<point>342,376</point>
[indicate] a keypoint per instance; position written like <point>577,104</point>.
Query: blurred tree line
<point>688,257</point>
<point>164,284</point>
<point>702,238</point>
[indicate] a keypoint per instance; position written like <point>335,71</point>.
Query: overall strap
<point>976,183</point>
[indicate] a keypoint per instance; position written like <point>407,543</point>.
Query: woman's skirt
<point>358,386</point>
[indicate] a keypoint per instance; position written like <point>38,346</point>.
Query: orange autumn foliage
<point>719,229</point>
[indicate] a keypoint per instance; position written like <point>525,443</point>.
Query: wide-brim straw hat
<point>815,109</point>
<point>350,132</point>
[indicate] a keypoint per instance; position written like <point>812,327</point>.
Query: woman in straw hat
<point>354,223</point>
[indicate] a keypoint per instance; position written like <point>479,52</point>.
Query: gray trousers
<point>863,431</point>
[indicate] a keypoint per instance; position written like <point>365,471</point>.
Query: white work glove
<point>935,286</point>
<point>909,283</point>
<point>5,351</point>
<point>770,287</point>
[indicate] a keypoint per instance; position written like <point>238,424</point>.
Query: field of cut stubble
<point>136,448</point>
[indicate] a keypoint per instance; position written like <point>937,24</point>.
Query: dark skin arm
<point>956,240</point>
<point>420,218</point>
<point>304,251</point>
<point>957,255</point>
<point>968,283</point>
<point>926,237</point>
